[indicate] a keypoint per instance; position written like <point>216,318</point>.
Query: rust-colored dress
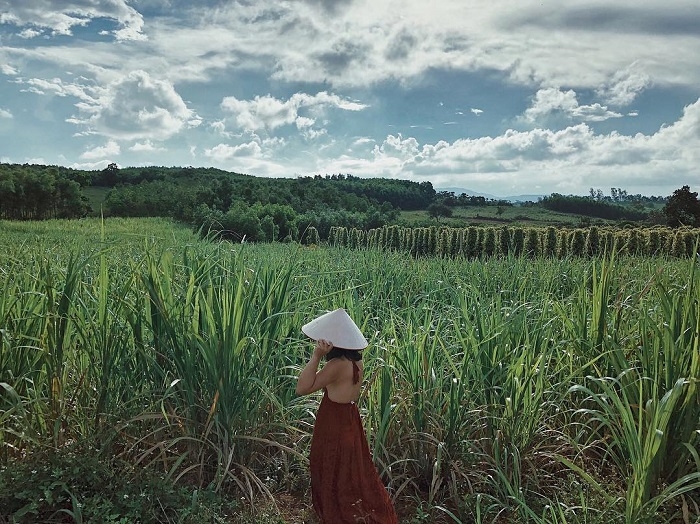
<point>345,485</point>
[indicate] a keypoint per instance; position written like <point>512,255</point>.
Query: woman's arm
<point>309,380</point>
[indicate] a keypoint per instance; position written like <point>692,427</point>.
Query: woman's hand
<point>323,347</point>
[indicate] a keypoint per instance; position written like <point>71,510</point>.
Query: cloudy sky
<point>504,98</point>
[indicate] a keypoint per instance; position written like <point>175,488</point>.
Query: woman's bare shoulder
<point>343,365</point>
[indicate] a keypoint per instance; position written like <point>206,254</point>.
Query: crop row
<point>482,242</point>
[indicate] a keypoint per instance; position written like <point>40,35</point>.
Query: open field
<point>492,215</point>
<point>497,390</point>
<point>96,196</point>
<point>534,216</point>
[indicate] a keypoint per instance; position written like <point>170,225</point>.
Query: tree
<point>241,223</point>
<point>683,208</point>
<point>69,202</point>
<point>109,176</point>
<point>7,193</point>
<point>438,209</point>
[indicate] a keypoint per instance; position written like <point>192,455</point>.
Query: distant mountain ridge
<point>513,198</point>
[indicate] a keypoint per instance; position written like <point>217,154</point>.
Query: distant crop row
<point>483,242</point>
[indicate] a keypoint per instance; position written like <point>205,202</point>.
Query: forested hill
<point>257,208</point>
<point>35,191</point>
<point>200,195</point>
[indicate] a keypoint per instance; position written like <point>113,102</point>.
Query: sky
<point>497,97</point>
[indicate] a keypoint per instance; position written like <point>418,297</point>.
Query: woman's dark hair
<point>350,354</point>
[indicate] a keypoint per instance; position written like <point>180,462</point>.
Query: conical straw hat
<point>338,328</point>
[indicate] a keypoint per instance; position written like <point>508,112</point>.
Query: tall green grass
<point>496,390</point>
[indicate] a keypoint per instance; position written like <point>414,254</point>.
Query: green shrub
<point>78,485</point>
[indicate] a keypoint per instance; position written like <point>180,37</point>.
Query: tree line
<point>589,207</point>
<point>239,206</point>
<point>40,192</point>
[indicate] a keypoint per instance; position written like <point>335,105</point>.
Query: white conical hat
<point>338,328</point>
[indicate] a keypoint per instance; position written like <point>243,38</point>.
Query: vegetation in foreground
<point>139,358</point>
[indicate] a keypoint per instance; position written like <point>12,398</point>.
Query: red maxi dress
<point>345,485</point>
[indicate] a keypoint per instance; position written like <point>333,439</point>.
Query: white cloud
<point>555,102</point>
<point>88,166</point>
<point>223,152</point>
<point>137,107</point>
<point>594,113</point>
<point>373,41</point>
<point>29,33</point>
<point>304,122</point>
<point>267,112</point>
<point>681,140</point>
<point>58,87</point>
<point>220,127</point>
<point>260,113</point>
<point>5,113</point>
<point>271,143</point>
<point>550,100</point>
<point>146,146</point>
<point>363,140</point>
<point>624,86</point>
<point>61,17</point>
<point>397,146</point>
<point>8,70</point>
<point>110,149</point>
<point>381,41</point>
<point>37,160</point>
<point>564,160</point>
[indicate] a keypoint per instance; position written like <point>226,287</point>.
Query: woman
<point>345,485</point>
